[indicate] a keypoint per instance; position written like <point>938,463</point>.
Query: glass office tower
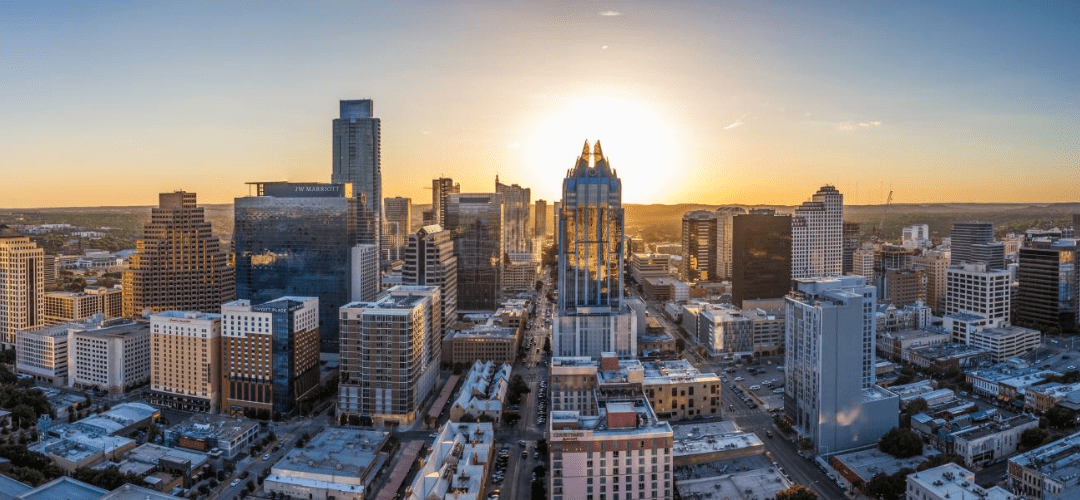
<point>296,239</point>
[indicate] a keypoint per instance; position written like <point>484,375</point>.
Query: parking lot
<point>756,385</point>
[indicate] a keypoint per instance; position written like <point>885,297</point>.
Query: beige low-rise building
<point>1049,472</point>
<point>471,343</point>
<point>64,307</point>
<point>1040,398</point>
<point>951,481</point>
<point>337,463</point>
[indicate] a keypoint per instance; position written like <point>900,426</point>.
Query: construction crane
<point>881,225</point>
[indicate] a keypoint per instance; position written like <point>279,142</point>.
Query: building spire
<point>598,155</point>
<point>585,152</point>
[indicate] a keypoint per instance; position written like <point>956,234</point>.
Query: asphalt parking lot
<point>765,377</point>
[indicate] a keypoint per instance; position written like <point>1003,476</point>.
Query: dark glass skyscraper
<point>296,239</point>
<point>357,161</point>
<point>1047,295</point>
<point>475,220</point>
<point>761,256</point>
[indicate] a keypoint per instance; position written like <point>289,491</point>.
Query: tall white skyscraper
<point>817,235</point>
<point>724,236</point>
<point>830,392</point>
<point>22,284</point>
<point>592,317</point>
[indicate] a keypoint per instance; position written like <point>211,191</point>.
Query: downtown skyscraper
<point>592,317</point>
<point>178,265</point>
<point>817,235</point>
<point>517,237</point>
<point>357,160</point>
<point>22,284</point>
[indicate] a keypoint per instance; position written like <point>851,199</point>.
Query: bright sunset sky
<point>110,103</point>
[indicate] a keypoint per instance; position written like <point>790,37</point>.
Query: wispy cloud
<point>737,123</point>
<point>610,13</point>
<point>858,125</point>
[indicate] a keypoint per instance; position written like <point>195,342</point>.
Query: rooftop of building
<point>10,488</point>
<point>654,337</point>
<point>336,451</point>
<point>721,468</point>
<point>953,481</point>
<point>116,328</point>
<point>485,386</point>
<point>401,303</point>
<point>118,418</point>
<point>1059,460</point>
<point>714,437</point>
<point>868,463</point>
<point>205,426</point>
<point>132,492</point>
<point>645,421</point>
<point>949,350</point>
<point>64,488</point>
<point>995,426</point>
<point>76,445</point>
<point>147,456</point>
<point>1055,389</point>
<point>674,371</point>
<point>905,335</point>
<point>486,331</point>
<point>876,393</point>
<point>754,484</point>
<point>1006,331</point>
<point>186,315</point>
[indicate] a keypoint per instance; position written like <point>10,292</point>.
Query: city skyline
<point>938,103</point>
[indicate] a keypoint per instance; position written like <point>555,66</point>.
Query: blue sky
<point>712,102</point>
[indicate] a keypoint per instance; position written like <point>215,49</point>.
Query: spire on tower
<point>598,154</point>
<point>585,152</point>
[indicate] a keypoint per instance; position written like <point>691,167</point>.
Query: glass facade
<point>475,221</point>
<point>297,246</point>
<point>590,229</point>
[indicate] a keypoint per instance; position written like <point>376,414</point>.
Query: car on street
<point>235,482</point>
<point>524,453</point>
<point>266,457</point>
<point>739,379</point>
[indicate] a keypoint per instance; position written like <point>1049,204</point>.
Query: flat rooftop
<point>64,488</point>
<point>713,437</point>
<point>1059,460</point>
<point>953,481</point>
<point>868,463</point>
<point>335,451</point>
<point>748,485</point>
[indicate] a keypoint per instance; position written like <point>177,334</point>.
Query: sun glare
<point>633,133</point>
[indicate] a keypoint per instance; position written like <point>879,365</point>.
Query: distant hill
<point>655,222</point>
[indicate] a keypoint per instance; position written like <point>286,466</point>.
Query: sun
<point>637,137</point>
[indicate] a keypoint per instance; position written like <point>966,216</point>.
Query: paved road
<point>287,434</point>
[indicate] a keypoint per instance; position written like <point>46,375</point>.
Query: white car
<point>235,482</point>
<point>739,379</point>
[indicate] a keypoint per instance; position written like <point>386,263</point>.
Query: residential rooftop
<point>953,481</point>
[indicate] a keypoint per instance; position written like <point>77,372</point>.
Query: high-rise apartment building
<point>935,265</point>
<point>397,217</point>
<point>977,289</point>
<point>475,220</point>
<point>515,228</point>
<point>1048,281</point>
<point>817,235</point>
<point>270,355</point>
<point>390,351</point>
<point>178,264</point>
<point>300,239</point>
<point>430,260</point>
<point>185,360</point>
<point>699,249</point>
<point>591,316</point>
<point>441,189</point>
<point>761,256</point>
<point>830,393</point>
<point>725,231</point>
<point>22,284</point>
<point>357,160</point>
<point>973,242</point>
<point>540,219</point>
